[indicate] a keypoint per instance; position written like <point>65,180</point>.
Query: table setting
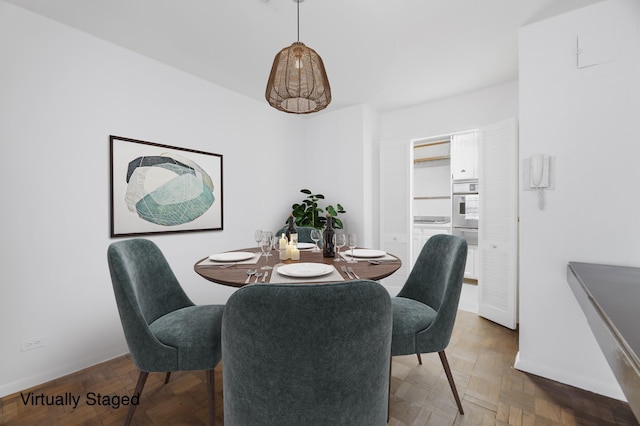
<point>232,258</point>
<point>304,272</point>
<point>282,259</point>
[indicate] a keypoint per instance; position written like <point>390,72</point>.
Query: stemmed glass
<point>266,235</point>
<point>265,246</point>
<point>257,235</point>
<point>315,236</point>
<point>339,240</point>
<point>353,241</point>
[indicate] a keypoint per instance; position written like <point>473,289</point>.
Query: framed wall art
<point>160,188</point>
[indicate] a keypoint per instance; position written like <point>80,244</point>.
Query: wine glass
<point>265,246</point>
<point>339,240</point>
<point>257,235</point>
<point>315,236</point>
<point>266,235</point>
<point>353,241</point>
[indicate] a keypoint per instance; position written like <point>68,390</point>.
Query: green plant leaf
<point>309,213</point>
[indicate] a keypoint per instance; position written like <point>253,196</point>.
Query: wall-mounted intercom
<point>537,175</point>
<point>539,171</point>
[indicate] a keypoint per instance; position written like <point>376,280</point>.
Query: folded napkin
<point>252,261</point>
<point>282,279</point>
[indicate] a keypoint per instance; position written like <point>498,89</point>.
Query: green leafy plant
<point>309,213</point>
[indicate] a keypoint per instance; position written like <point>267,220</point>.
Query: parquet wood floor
<point>481,356</point>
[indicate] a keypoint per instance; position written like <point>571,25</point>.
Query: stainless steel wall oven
<point>465,212</point>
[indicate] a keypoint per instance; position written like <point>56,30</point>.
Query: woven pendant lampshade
<point>298,82</point>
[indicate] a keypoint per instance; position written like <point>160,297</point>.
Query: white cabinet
<point>422,233</point>
<point>464,156</point>
<point>471,268</point>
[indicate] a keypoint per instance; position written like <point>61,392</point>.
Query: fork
<point>344,269</point>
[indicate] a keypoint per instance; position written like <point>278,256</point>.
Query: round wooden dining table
<point>235,275</point>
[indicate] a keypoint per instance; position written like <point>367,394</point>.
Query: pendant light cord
<point>298,2</point>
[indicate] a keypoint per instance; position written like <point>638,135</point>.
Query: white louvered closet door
<point>498,225</point>
<point>395,207</point>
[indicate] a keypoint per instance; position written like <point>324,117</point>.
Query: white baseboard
<point>606,389</point>
<point>46,376</point>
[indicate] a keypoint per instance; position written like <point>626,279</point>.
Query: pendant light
<point>298,82</point>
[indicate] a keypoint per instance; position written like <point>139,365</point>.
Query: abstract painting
<point>160,188</point>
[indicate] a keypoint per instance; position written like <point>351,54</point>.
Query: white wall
<point>338,163</point>
<point>586,118</point>
<point>455,114</point>
<point>62,94</point>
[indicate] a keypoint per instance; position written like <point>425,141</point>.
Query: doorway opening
<point>438,164</point>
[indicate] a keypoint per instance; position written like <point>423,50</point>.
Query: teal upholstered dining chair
<point>307,354</point>
<point>304,233</point>
<point>164,330</point>
<point>425,309</point>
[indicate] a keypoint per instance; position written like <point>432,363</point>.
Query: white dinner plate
<point>232,256</point>
<point>305,246</point>
<point>305,270</point>
<point>367,253</point>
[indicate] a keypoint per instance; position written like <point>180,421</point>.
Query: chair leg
<point>419,359</point>
<point>166,379</point>
<point>447,371</point>
<point>211,394</point>
<point>142,378</point>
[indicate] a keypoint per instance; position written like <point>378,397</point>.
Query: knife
<point>350,269</point>
<point>344,269</point>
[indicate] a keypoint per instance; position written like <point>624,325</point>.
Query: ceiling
<point>388,54</point>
